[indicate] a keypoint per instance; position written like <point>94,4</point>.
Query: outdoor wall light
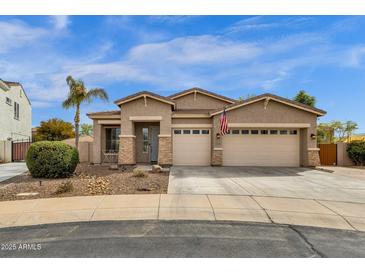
<point>218,136</point>
<point>313,136</point>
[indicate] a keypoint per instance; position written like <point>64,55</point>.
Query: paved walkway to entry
<point>307,212</point>
<point>338,184</point>
<point>11,170</point>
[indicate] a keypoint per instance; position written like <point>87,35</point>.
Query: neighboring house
<point>356,137</point>
<point>184,129</point>
<point>15,112</point>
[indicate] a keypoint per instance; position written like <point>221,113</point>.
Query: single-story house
<point>184,129</point>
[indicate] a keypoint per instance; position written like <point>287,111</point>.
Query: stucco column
<point>164,150</point>
<point>127,150</point>
<point>309,151</point>
<point>97,143</point>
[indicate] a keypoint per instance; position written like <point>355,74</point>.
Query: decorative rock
<point>156,169</point>
<point>113,167</point>
<point>27,194</point>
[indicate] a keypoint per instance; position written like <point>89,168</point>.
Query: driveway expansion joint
<point>337,214</point>
<point>307,242</point>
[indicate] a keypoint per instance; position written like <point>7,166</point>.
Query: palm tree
<point>350,127</point>
<point>77,95</point>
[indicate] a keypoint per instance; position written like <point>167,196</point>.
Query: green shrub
<point>51,159</point>
<point>356,152</point>
<point>65,187</point>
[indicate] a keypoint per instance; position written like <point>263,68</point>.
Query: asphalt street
<point>178,239</point>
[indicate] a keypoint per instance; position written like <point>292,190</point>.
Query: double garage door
<point>255,147</point>
<point>241,147</point>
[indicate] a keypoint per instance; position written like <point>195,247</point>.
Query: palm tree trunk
<point>77,123</point>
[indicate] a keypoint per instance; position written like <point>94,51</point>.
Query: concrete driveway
<point>337,185</point>
<point>11,170</point>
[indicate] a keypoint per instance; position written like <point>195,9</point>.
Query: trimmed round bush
<point>356,151</point>
<point>51,159</point>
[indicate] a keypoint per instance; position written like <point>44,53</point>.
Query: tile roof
<point>111,112</point>
<point>279,98</point>
<point>148,93</point>
<point>203,91</point>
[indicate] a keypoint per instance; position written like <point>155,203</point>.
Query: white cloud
<point>60,22</point>
<point>210,61</point>
<point>171,19</point>
<point>15,34</point>
<point>355,56</point>
<point>259,23</point>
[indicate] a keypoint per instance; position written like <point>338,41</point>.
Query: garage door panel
<point>191,149</point>
<point>260,150</point>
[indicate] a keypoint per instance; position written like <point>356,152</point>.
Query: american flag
<point>224,123</point>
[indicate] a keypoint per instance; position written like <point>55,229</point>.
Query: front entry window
<point>145,139</point>
<point>112,139</point>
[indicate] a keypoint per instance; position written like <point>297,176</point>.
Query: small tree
<point>304,98</point>
<point>54,130</point>
<point>246,97</point>
<point>79,94</point>
<point>86,130</point>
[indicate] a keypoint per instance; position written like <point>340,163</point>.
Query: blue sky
<point>231,55</point>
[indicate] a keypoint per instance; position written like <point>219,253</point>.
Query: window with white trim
<point>16,111</point>
<point>196,131</point>
<point>205,131</point>
<point>8,101</point>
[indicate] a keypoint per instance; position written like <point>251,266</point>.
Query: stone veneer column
<point>127,150</point>
<point>164,150</point>
<point>313,157</point>
<point>217,157</point>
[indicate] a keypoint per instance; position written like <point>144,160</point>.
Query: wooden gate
<point>19,149</point>
<point>328,154</point>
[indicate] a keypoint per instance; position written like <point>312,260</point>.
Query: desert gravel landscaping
<point>87,180</point>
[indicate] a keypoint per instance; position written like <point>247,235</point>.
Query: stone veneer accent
<point>313,157</point>
<point>127,154</point>
<point>165,151</point>
<point>217,157</point>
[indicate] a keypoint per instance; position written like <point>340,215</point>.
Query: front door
<point>154,132</point>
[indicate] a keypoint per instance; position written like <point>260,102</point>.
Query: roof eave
<point>205,92</point>
<point>303,107</point>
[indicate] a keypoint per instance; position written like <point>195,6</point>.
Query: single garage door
<point>191,147</point>
<point>261,147</point>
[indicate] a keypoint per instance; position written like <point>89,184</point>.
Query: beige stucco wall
<point>85,149</point>
<point>138,108</point>
<point>97,143</point>
<point>275,112</point>
<point>192,121</point>
<point>5,151</point>
<point>343,158</point>
<point>201,101</point>
<point>9,126</point>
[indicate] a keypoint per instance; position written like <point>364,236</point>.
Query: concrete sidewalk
<point>318,213</point>
<point>11,170</point>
